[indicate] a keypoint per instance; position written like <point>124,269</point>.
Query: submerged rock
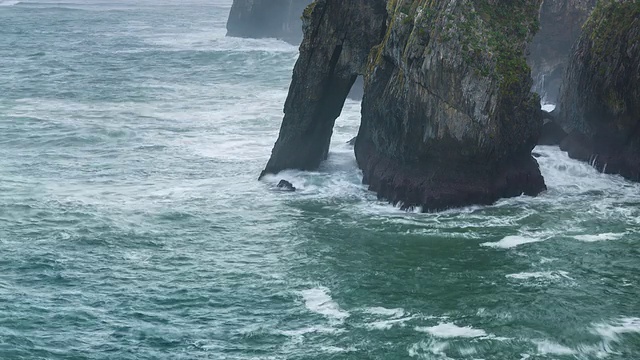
<point>285,185</point>
<point>448,118</point>
<point>560,26</point>
<point>600,101</point>
<point>267,18</point>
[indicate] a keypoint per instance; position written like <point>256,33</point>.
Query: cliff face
<point>267,18</point>
<point>560,26</point>
<point>448,118</point>
<point>600,99</point>
<point>338,36</point>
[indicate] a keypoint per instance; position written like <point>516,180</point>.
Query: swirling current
<point>132,224</point>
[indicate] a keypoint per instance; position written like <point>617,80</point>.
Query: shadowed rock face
<point>600,99</point>
<point>337,41</point>
<point>448,118</point>
<point>267,18</point>
<point>445,122</point>
<point>560,26</point>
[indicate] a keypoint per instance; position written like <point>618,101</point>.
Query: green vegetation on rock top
<point>510,24</point>
<point>610,21</point>
<point>607,33</point>
<point>492,33</point>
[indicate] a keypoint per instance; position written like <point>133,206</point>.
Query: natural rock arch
<point>338,38</point>
<point>444,122</point>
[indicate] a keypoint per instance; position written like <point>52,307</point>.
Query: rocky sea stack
<point>267,18</point>
<point>448,118</point>
<point>600,100</point>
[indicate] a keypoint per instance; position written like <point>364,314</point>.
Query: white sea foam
<point>511,241</point>
<point>377,310</point>
<point>611,331</point>
<point>547,347</point>
<point>319,301</point>
<point>9,2</point>
<point>467,350</point>
<point>448,330</point>
<point>574,177</point>
<point>337,349</point>
<point>550,275</point>
<point>311,330</point>
<point>392,317</point>
<point>548,107</point>
<point>545,260</point>
<point>599,237</point>
<point>388,324</point>
<point>338,178</point>
<point>429,347</point>
<point>569,182</point>
<point>212,40</point>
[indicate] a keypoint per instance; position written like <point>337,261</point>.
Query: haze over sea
<point>132,224</point>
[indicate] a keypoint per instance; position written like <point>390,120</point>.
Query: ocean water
<point>132,224</point>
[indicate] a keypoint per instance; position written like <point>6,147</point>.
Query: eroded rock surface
<point>600,100</point>
<point>448,118</point>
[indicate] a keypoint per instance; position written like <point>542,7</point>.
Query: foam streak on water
<point>132,225</point>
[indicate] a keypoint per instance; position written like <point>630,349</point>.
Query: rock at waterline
<point>551,134</point>
<point>600,101</point>
<point>286,186</point>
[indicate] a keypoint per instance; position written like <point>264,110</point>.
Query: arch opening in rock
<point>332,56</point>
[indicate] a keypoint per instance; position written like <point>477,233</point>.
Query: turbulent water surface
<point>132,224</point>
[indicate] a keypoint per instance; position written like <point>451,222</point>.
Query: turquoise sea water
<point>132,225</point>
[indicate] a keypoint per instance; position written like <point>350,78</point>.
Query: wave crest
<point>9,2</point>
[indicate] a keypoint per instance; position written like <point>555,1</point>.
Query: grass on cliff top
<point>306,13</point>
<point>510,25</point>
<point>497,29</point>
